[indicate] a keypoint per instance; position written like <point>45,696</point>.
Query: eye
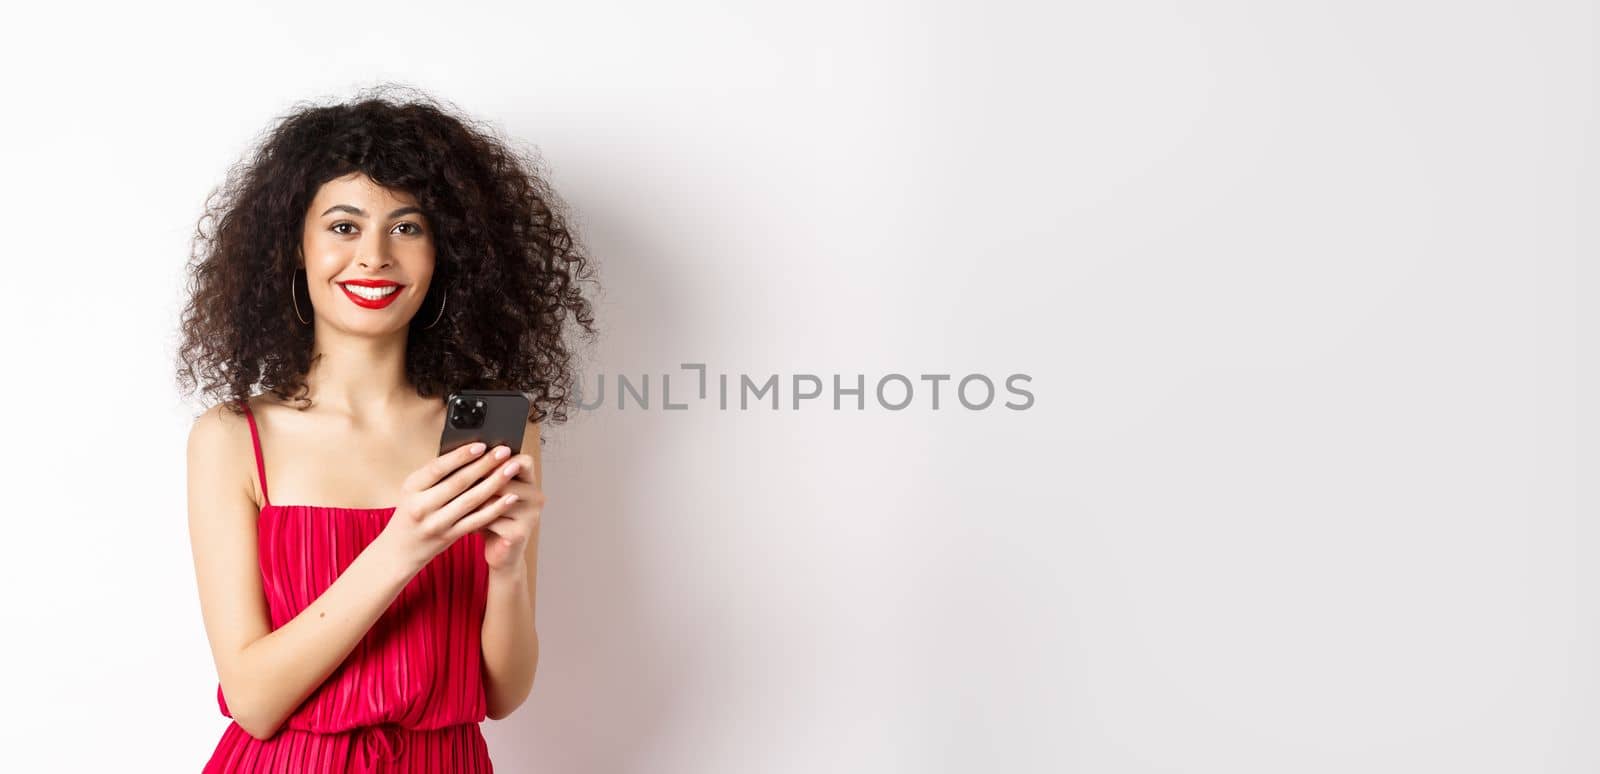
<point>415,229</point>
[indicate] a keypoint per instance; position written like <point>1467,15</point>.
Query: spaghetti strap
<point>255,440</point>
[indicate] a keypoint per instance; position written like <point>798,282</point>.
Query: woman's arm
<point>266,674</point>
<point>509,639</point>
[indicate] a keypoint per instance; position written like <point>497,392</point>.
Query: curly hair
<point>506,260</point>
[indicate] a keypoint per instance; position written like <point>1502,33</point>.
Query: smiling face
<point>368,255</point>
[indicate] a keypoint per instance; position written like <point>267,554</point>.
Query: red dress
<point>410,697</point>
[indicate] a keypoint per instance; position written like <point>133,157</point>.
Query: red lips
<point>371,303</point>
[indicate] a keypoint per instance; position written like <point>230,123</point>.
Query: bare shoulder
<point>220,456</point>
<point>213,430</point>
<point>223,425</point>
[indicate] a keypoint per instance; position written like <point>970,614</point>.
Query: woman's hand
<point>506,538</point>
<point>444,500</point>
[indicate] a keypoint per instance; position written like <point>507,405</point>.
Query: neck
<point>359,375</point>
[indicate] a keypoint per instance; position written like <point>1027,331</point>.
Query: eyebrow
<point>362,213</point>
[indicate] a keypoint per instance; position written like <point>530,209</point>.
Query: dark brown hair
<point>509,265</point>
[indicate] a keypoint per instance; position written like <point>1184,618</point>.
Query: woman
<point>374,604</point>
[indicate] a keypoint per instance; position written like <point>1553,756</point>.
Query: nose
<point>374,252</point>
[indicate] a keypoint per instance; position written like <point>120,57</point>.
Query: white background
<point>1297,285</point>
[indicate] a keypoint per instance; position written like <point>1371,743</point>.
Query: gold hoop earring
<point>294,297</point>
<point>436,318</point>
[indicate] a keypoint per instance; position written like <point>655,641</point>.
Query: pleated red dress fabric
<point>410,697</point>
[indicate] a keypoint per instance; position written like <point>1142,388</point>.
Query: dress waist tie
<point>386,741</point>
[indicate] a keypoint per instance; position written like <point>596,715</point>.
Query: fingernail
<point>502,453</point>
<point>511,470</point>
<point>478,448</point>
<point>509,499</point>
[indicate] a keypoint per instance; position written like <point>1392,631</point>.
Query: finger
<point>502,526</point>
<point>514,469</point>
<point>513,524</point>
<point>532,497</point>
<point>499,527</point>
<point>443,465</point>
<point>440,495</point>
<point>503,529</point>
<point>528,491</point>
<point>525,473</point>
<point>465,502</point>
<point>476,520</point>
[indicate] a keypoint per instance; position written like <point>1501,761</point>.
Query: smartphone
<point>495,417</point>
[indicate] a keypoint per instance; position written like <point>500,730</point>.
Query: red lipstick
<point>371,303</point>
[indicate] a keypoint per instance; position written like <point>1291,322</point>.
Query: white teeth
<point>372,294</point>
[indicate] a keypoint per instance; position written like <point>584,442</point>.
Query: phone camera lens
<point>465,414</point>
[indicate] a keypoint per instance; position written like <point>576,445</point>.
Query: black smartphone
<point>495,417</point>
